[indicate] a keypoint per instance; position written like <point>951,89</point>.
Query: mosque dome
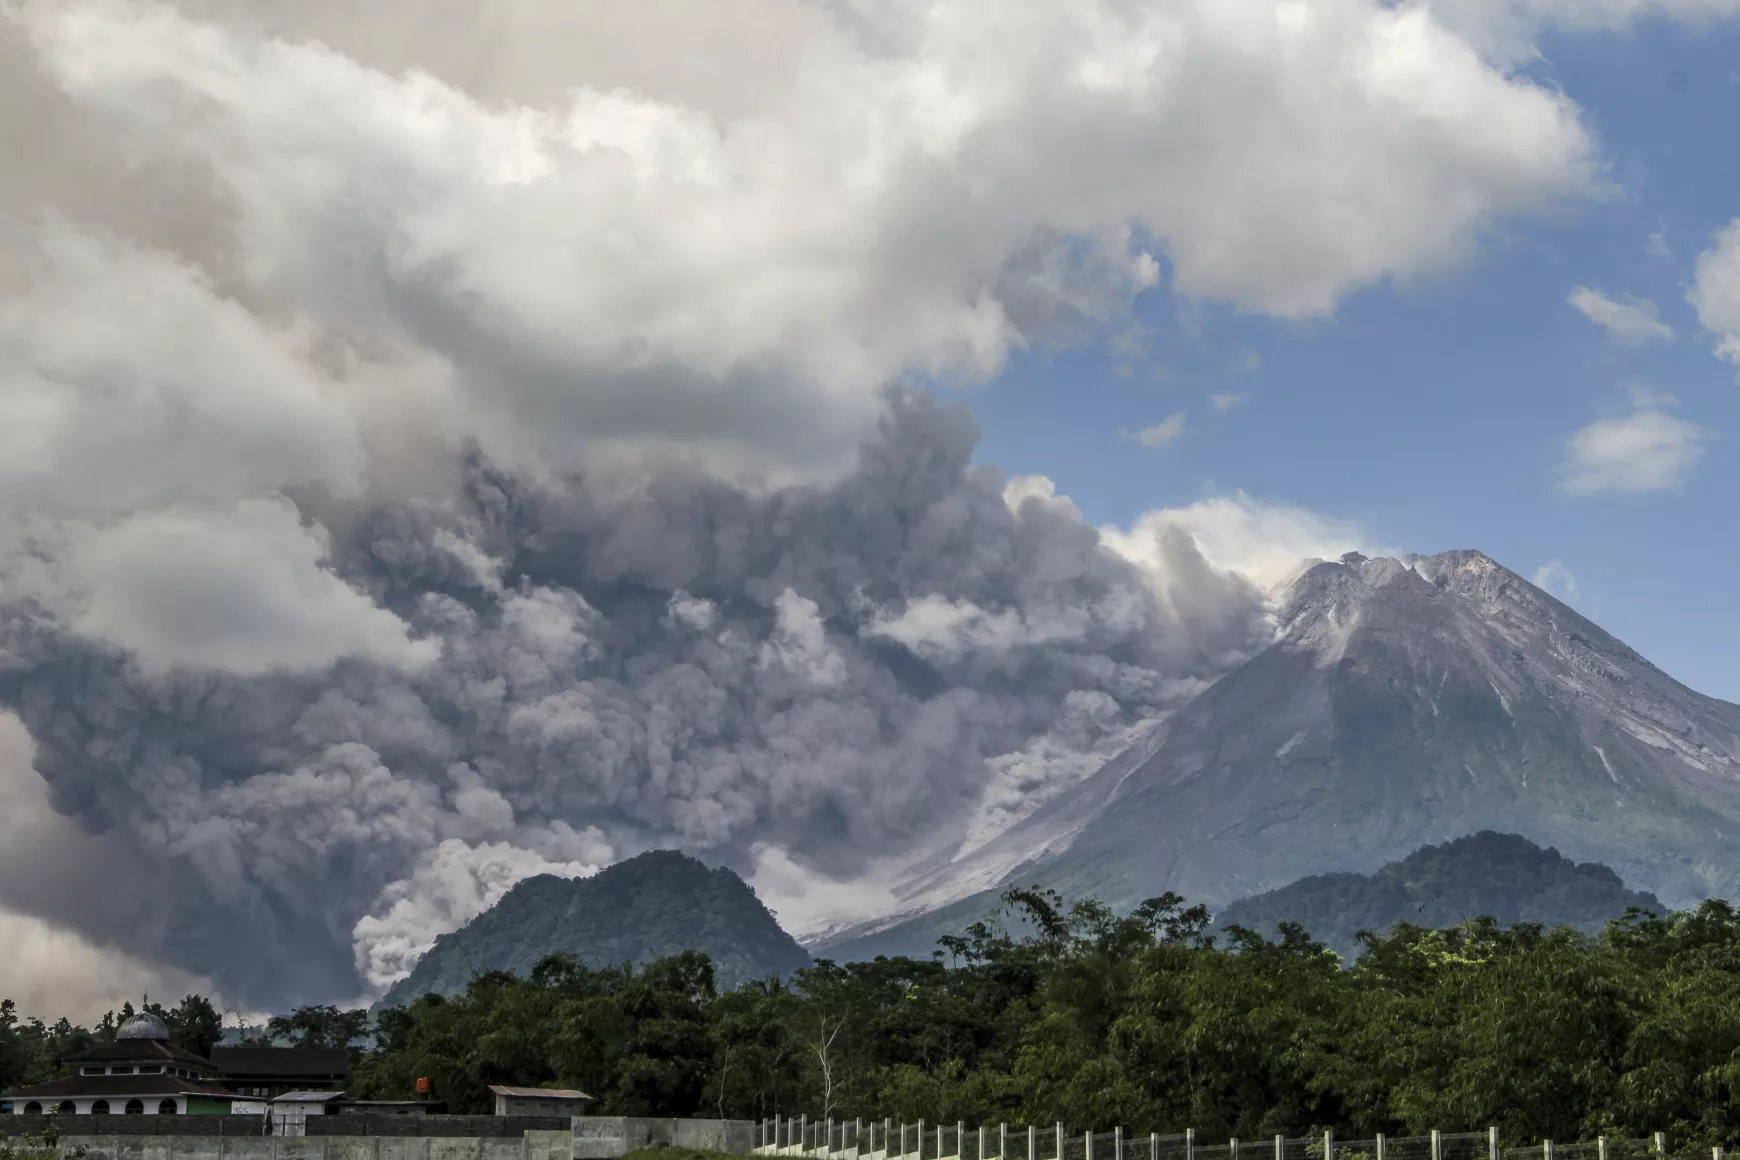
<point>144,1026</point>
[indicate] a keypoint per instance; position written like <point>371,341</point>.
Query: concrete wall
<point>606,1137</point>
<point>377,1137</point>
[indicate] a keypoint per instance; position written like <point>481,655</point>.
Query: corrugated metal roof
<point>537,1093</point>
<point>307,1097</point>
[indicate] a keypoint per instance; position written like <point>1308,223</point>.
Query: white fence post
<point>1329,1146</point>
<point>1546,1150</point>
<point>1060,1140</point>
<point>1118,1143</point>
<point>1032,1142</point>
<point>1280,1147</point>
<point>1660,1144</point>
<point>1380,1147</point>
<point>1492,1144</point>
<point>1190,1144</point>
<point>1437,1145</point>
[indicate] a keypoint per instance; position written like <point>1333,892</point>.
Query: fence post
<point>921,1140</point>
<point>1087,1144</point>
<point>1601,1148</point>
<point>1153,1146</point>
<point>1003,1141</point>
<point>1546,1150</point>
<point>1437,1145</point>
<point>1380,1147</point>
<point>1660,1144</point>
<point>1032,1142</point>
<point>1329,1146</point>
<point>1118,1143</point>
<point>981,1155</point>
<point>1232,1148</point>
<point>1280,1147</point>
<point>1060,1140</point>
<point>1190,1144</point>
<point>1492,1143</point>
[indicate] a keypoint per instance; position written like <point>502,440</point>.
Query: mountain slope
<point>1502,875</point>
<point>1404,702</point>
<point>658,903</point>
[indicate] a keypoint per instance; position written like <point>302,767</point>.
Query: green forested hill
<point>1501,875</point>
<point>657,904</point>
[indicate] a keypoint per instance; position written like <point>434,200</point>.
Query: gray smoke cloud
<point>583,671</point>
<point>443,446</point>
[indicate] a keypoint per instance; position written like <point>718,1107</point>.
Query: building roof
<point>307,1097</point>
<point>264,1062</point>
<point>144,1026</point>
<point>117,1087</point>
<point>137,1050</point>
<point>526,1093</point>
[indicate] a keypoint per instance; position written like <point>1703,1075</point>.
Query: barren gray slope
<point>1416,701</point>
<point>1404,702</point>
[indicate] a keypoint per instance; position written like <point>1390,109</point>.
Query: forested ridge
<point>1150,1021</point>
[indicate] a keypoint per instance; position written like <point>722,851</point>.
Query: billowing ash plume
<point>825,668</point>
<point>419,469</point>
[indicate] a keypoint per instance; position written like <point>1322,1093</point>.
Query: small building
<point>290,1111</point>
<point>527,1101</point>
<point>140,1073</point>
<point>265,1073</point>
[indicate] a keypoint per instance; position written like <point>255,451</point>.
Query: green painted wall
<point>207,1106</point>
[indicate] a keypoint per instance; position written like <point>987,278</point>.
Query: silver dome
<point>144,1026</point>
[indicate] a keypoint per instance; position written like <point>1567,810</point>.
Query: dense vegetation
<point>644,908</point>
<point>1502,875</point>
<point>1150,1021</point>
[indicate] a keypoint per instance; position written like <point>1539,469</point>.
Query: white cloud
<point>1227,400</point>
<point>1246,362</point>
<point>1715,293</point>
<point>807,902</point>
<point>1163,432</point>
<point>453,884</point>
<point>1629,320</point>
<point>1647,450</point>
<point>1557,579</point>
<point>1265,542</point>
<point>839,231</point>
<point>243,590</point>
<point>1506,29</point>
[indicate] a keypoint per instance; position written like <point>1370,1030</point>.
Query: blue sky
<point>1439,414</point>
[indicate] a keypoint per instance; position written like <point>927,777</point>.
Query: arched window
<point>166,1108</point>
<point>33,1108</point>
<point>100,1108</point>
<point>66,1108</point>
<point>135,1107</point>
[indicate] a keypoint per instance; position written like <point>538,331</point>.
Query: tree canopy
<point>1149,1020</point>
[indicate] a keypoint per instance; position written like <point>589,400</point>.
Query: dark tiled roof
<point>117,1087</point>
<point>134,1050</point>
<point>246,1063</point>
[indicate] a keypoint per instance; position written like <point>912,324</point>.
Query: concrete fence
<point>829,1139</point>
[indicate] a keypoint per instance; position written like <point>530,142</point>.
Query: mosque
<point>142,1073</point>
